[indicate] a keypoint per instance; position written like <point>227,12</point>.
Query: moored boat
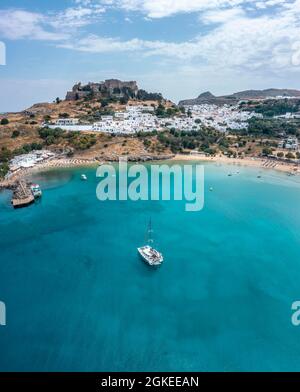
<point>150,255</point>
<point>36,190</point>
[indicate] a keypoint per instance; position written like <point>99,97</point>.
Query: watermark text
<point>2,314</point>
<point>154,182</point>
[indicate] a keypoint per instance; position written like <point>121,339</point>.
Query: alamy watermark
<point>157,182</point>
<point>296,314</point>
<point>2,314</point>
<point>2,53</point>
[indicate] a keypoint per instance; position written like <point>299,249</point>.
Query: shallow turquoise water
<point>79,298</point>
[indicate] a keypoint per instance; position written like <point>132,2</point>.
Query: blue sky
<point>178,47</point>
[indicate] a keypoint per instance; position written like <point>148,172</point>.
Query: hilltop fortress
<point>109,88</point>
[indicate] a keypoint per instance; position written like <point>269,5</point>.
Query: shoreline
<point>83,162</point>
<point>250,162</point>
<point>48,165</point>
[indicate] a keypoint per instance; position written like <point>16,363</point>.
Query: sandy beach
<point>255,162</point>
<point>44,166</point>
<point>77,162</point>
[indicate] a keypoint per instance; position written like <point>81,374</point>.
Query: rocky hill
<point>22,132</point>
<point>111,89</point>
<point>209,98</point>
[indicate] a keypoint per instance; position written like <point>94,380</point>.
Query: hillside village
<point>147,118</point>
<point>109,119</point>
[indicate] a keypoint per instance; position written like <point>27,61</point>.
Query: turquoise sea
<point>78,298</point>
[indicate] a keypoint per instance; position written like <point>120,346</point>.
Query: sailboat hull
<point>150,256</point>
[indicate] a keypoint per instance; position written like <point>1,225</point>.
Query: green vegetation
<point>82,142</point>
<point>145,96</point>
<point>147,143</point>
<point>271,127</point>
<point>75,139</point>
<point>27,148</point>
<point>180,140</point>
<point>4,168</point>
<point>51,136</point>
<point>15,134</point>
<point>162,112</point>
<point>267,151</point>
<point>290,155</point>
<point>274,107</point>
<point>4,121</point>
<point>5,156</point>
<point>104,102</point>
<point>47,118</point>
<point>124,100</point>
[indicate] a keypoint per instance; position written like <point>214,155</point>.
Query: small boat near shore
<point>150,255</point>
<point>36,191</point>
<point>83,177</point>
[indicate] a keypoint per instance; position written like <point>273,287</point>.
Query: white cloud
<point>235,39</point>
<point>163,8</point>
<point>296,54</point>
<point>77,17</point>
<point>19,24</point>
<point>221,16</point>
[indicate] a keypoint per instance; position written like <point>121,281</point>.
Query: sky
<point>180,48</point>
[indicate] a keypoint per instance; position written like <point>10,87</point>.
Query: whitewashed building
<point>66,121</point>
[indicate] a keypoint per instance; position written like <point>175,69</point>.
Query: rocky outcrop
<point>109,88</point>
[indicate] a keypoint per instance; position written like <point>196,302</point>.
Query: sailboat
<point>150,255</point>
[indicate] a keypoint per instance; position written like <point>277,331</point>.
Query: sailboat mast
<point>150,231</point>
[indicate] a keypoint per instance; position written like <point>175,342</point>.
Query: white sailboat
<point>150,255</point>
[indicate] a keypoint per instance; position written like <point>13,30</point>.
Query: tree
<point>4,168</point>
<point>160,111</point>
<point>4,121</point>
<point>5,154</point>
<point>280,154</point>
<point>15,134</point>
<point>64,115</point>
<point>58,100</point>
<point>267,151</point>
<point>104,102</point>
<point>124,100</point>
<point>147,143</point>
<point>290,155</point>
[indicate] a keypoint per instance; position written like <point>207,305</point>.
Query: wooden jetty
<point>22,195</point>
